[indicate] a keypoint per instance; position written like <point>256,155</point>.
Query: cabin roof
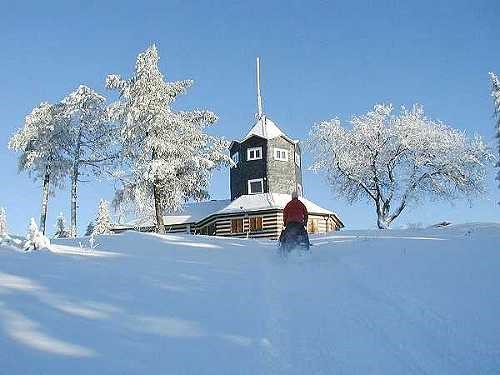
<point>267,201</point>
<point>195,212</point>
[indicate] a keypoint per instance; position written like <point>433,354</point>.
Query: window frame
<point>254,149</point>
<point>258,223</point>
<point>235,226</point>
<point>297,159</point>
<point>237,159</point>
<point>280,150</point>
<point>249,182</point>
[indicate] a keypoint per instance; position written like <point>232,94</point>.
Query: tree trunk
<point>382,222</point>
<point>74,186</point>
<point>384,217</point>
<point>73,201</point>
<point>160,226</point>
<point>45,199</point>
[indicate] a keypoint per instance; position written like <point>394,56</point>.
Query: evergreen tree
<point>90,228</point>
<point>3,222</point>
<point>41,144</point>
<point>168,157</point>
<point>103,220</point>
<point>35,239</point>
<point>61,231</point>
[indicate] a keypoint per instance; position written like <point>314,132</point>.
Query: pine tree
<point>103,220</point>
<point>169,156</point>
<point>90,228</point>
<point>3,222</point>
<point>90,137</point>
<point>41,144</point>
<point>495,93</point>
<point>61,231</point>
<point>35,239</point>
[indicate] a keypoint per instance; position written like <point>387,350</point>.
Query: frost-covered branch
<point>166,156</point>
<point>90,138</point>
<point>394,160</point>
<point>495,93</point>
<point>42,143</point>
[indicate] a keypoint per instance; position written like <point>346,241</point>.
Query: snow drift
<point>366,302</point>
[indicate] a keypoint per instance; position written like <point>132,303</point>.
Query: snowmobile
<point>294,236</point>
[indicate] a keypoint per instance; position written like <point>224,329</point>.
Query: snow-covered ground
<point>364,302</point>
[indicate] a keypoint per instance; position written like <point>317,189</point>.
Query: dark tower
<point>267,161</point>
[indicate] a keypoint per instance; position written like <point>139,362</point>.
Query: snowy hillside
<point>365,302</point>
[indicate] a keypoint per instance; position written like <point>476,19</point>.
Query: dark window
<point>236,157</point>
<point>254,153</point>
<point>255,223</point>
<point>211,229</point>
<point>255,186</point>
<point>236,225</point>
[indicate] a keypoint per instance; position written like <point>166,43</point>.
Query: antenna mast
<point>259,98</point>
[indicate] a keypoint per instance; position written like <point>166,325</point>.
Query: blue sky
<point>320,59</point>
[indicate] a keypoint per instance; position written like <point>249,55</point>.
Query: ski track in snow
<point>367,302</point>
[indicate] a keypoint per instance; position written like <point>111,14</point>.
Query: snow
<point>196,211</point>
<point>265,128</point>
<point>166,156</point>
<point>192,212</point>
<point>266,201</point>
<point>398,160</point>
<point>364,302</point>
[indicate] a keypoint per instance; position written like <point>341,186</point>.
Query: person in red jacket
<point>295,217</point>
<point>295,211</point>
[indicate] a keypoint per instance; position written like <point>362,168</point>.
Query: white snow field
<point>364,302</point>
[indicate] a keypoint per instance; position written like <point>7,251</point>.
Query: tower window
<point>236,157</point>
<point>280,154</point>
<point>256,186</point>
<point>297,159</point>
<point>254,153</point>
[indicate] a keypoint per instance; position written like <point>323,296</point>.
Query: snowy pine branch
<point>166,156</point>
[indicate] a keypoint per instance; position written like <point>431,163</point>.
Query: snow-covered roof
<point>266,128</point>
<point>197,211</point>
<point>191,213</point>
<point>266,201</point>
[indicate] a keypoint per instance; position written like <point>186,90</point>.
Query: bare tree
<point>90,139</point>
<point>394,160</point>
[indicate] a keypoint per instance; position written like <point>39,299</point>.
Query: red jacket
<point>295,211</point>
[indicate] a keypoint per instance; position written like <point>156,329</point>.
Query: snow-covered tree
<point>396,160</point>
<point>61,231</point>
<point>495,93</point>
<point>3,222</point>
<point>35,239</point>
<point>168,156</point>
<point>90,228</point>
<point>90,139</point>
<point>41,144</point>
<point>103,220</point>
